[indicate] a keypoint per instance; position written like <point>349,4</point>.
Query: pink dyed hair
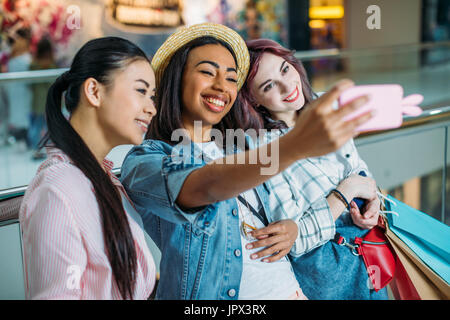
<point>259,117</point>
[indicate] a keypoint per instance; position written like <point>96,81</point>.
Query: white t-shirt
<point>260,280</point>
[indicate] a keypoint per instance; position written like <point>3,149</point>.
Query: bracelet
<point>341,197</point>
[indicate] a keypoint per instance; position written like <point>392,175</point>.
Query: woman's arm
<point>319,130</point>
<point>354,186</point>
<point>365,217</point>
<point>315,225</point>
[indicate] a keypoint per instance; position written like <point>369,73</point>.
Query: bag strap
<point>340,240</point>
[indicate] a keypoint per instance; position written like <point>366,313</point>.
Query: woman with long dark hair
<point>315,192</point>
<point>81,236</point>
<point>199,203</point>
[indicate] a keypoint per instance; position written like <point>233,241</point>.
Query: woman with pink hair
<point>315,192</point>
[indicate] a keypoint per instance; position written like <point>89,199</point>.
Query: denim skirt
<point>333,272</point>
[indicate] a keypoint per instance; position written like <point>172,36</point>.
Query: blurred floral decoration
<point>254,18</point>
<point>43,17</point>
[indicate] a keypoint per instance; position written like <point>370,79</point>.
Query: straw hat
<point>186,34</point>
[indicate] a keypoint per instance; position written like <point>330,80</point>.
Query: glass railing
<point>22,123</point>
<point>410,162</point>
<point>420,68</point>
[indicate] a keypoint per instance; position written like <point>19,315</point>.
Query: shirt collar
<point>107,164</point>
<point>52,151</point>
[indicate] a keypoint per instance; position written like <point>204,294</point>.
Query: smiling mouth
<point>293,96</point>
<point>142,124</point>
<point>214,104</point>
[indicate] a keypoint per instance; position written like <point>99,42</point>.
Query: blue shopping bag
<point>427,237</point>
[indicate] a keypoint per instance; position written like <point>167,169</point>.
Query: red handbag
<point>379,257</point>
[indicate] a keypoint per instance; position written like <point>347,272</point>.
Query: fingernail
<point>254,256</point>
<point>265,260</point>
<point>249,246</point>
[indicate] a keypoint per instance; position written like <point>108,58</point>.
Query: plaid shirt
<point>299,193</point>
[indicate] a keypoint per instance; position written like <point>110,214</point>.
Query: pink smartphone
<point>388,102</point>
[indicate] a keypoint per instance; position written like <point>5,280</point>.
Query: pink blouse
<point>64,252</point>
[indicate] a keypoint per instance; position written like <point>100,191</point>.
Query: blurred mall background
<point>370,41</point>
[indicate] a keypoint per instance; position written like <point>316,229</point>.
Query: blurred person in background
<point>3,98</point>
<point>19,93</point>
<point>252,24</point>
<point>43,59</point>
<point>3,117</point>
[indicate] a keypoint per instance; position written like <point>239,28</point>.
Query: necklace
<point>245,227</point>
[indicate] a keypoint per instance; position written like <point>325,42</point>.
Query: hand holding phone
<point>359,201</point>
<point>387,101</point>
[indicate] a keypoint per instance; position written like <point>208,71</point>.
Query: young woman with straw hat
<point>199,203</point>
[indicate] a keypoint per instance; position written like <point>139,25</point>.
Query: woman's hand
<point>356,186</point>
<point>277,239</point>
<point>320,129</point>
<point>369,217</point>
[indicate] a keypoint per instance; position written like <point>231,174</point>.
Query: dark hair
<point>98,58</point>
<point>168,98</point>
<point>44,49</point>
<point>24,33</point>
<point>259,116</point>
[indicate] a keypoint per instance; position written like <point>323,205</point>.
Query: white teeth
<point>291,98</point>
<point>141,123</point>
<point>217,102</point>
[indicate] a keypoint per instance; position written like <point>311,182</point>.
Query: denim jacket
<point>201,248</point>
